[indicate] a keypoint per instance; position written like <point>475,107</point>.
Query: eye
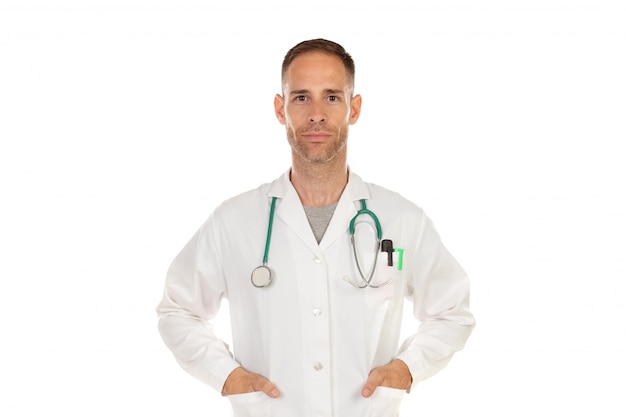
<point>300,98</point>
<point>333,98</point>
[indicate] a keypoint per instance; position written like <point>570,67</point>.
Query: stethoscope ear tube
<point>367,282</point>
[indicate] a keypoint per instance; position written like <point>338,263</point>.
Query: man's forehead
<point>325,71</point>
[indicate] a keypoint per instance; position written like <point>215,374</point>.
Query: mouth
<point>316,136</point>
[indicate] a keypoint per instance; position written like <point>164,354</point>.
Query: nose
<point>317,114</point>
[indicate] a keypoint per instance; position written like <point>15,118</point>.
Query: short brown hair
<point>324,46</point>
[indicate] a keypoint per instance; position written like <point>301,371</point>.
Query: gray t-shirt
<point>319,218</point>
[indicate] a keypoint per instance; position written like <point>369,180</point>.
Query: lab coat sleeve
<point>439,290</point>
<point>193,292</point>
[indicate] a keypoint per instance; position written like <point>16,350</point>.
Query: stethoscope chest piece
<point>261,276</point>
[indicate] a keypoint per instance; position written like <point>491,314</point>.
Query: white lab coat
<point>310,332</point>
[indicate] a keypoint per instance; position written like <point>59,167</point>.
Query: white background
<point>124,123</point>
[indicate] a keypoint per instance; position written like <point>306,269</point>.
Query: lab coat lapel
<point>339,223</point>
<point>289,209</point>
<point>348,205</point>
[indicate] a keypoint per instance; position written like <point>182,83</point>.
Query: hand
<point>241,381</point>
<point>393,375</point>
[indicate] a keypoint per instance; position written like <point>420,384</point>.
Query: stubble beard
<point>309,154</point>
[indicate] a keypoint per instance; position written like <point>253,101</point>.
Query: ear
<point>355,108</point>
<point>279,108</point>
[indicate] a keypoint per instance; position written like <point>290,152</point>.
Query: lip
<point>316,135</point>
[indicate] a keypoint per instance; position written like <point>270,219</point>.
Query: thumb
<point>370,385</point>
<point>265,385</point>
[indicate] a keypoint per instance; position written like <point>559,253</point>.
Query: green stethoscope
<point>262,275</point>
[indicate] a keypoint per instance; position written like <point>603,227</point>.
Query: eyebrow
<point>326,91</point>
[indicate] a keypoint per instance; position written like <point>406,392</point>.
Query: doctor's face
<point>317,107</point>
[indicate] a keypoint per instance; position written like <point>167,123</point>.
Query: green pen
<point>400,256</point>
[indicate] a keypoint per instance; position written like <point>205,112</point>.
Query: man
<point>316,329</point>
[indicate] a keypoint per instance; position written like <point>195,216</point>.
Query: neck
<point>320,184</point>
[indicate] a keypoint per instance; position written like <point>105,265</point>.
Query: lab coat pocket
<point>385,402</point>
<point>252,404</point>
<point>386,284</point>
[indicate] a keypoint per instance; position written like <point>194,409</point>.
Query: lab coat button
<point>317,312</point>
<point>317,260</point>
<point>317,366</point>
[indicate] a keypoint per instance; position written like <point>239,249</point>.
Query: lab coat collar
<point>355,190</point>
<point>289,209</point>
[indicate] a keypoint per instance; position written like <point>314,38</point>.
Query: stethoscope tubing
<point>364,210</point>
<point>270,226</point>
<point>262,275</point>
